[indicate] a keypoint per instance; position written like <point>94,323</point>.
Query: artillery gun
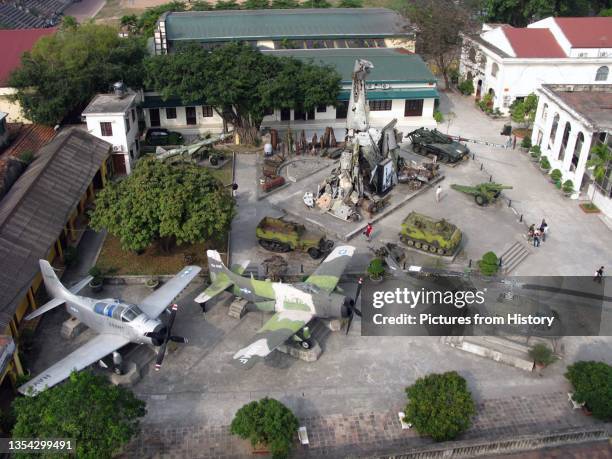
<point>483,193</point>
<point>425,141</point>
<point>429,235</point>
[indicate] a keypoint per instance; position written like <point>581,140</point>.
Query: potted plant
<point>525,144</point>
<point>152,283</point>
<point>542,355</point>
<point>544,164</point>
<point>555,175</point>
<point>568,188</point>
<point>97,282</point>
<point>535,153</point>
<point>591,381</point>
<point>268,424</point>
<point>376,270</point>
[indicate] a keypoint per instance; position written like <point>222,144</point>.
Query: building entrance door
<point>154,115</point>
<point>190,113</point>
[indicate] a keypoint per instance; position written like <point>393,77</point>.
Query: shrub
<point>376,268</point>
<point>440,405</point>
<point>466,87</point>
<point>27,157</point>
<point>526,142</point>
<point>592,382</point>
<point>555,175</point>
<point>542,354</point>
<point>568,186</point>
<point>544,163</point>
<point>96,273</point>
<point>438,116</point>
<point>266,421</point>
<point>536,149</point>
<point>489,264</point>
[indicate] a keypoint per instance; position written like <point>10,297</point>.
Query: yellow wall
<point>12,108</point>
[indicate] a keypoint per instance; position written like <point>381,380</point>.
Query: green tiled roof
<point>271,24</point>
<point>404,93</point>
<point>390,65</point>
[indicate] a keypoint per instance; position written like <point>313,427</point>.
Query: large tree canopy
<point>522,12</point>
<point>180,203</point>
<point>101,417</point>
<point>241,83</point>
<point>63,71</point>
<point>440,24</point>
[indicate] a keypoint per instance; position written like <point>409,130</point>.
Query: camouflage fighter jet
<point>294,305</point>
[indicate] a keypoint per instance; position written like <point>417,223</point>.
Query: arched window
<point>602,73</point>
<point>566,134</point>
<point>544,112</point>
<point>577,150</point>
<point>472,55</point>
<point>494,69</point>
<point>553,131</point>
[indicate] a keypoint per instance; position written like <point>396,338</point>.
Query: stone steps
<point>498,349</point>
<point>514,256</point>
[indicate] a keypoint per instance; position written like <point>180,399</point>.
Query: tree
<point>524,111</point>
<point>130,23</point>
<point>599,161</point>
<point>100,417</point>
<point>606,12</point>
<point>227,5</point>
<point>285,4</point>
<point>64,71</point>
<point>242,97</point>
<point>200,5</point>
<point>440,405</point>
<point>519,13</point>
<point>69,23</point>
<point>316,4</point>
<point>148,19</point>
<point>172,204</point>
<point>350,4</point>
<point>440,25</point>
<point>593,384</point>
<point>489,264</point>
<point>256,4</point>
<point>266,421</point>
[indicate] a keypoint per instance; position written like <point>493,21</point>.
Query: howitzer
<point>483,193</point>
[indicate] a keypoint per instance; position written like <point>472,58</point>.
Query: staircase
<point>498,349</point>
<point>514,256</point>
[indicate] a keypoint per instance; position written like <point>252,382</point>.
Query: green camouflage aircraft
<point>294,305</point>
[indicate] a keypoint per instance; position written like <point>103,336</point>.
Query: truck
<point>427,234</point>
<point>483,193</point>
<point>278,235</point>
<point>433,142</point>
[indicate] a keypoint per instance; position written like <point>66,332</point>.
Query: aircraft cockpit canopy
<point>117,310</point>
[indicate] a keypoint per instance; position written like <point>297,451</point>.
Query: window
<point>380,105</point>
<point>2,126</point>
<point>171,113</point>
<point>285,114</point>
<point>321,108</point>
<point>133,114</point>
<point>268,112</point>
<point>472,55</point>
<point>553,131</point>
<point>414,107</point>
<point>602,73</point>
<point>566,133</point>
<point>207,111</point>
<point>127,124</point>
<point>106,129</point>
<point>544,112</point>
<point>494,69</point>
<point>299,114</point>
<point>577,151</point>
<point>341,110</point>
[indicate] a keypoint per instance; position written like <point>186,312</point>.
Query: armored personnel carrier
<point>425,142</point>
<point>278,235</point>
<point>429,235</point>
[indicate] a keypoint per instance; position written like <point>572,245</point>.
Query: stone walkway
<point>366,433</point>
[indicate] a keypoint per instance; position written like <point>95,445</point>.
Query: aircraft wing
<point>281,326</point>
<point>156,302</point>
<point>90,352</point>
<point>327,275</point>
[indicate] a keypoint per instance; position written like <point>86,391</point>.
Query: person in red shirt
<point>368,231</point>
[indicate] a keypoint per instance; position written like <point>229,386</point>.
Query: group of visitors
<point>538,235</point>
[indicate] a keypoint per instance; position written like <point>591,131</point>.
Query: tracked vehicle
<point>277,235</point>
<point>424,233</point>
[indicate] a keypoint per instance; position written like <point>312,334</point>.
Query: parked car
<point>161,136</point>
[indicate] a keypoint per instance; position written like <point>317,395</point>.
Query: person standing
<point>368,231</point>
<point>536,238</point>
<point>438,193</point>
<point>599,275</point>
<point>543,229</point>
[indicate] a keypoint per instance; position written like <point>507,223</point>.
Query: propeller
<point>163,336</point>
<point>351,305</point>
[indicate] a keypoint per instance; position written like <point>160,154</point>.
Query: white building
<point>570,120</point>
<point>114,118</point>
<point>400,86</point>
<point>4,133</point>
<point>511,63</point>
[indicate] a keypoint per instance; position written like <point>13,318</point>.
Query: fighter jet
<point>294,305</point>
<point>117,322</point>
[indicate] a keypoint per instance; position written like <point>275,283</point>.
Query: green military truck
<point>429,235</point>
<point>278,235</point>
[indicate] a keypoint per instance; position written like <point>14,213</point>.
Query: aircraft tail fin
<point>221,277</point>
<point>46,307</point>
<point>53,285</point>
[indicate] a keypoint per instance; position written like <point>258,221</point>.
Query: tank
<point>427,234</point>
<point>278,235</point>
